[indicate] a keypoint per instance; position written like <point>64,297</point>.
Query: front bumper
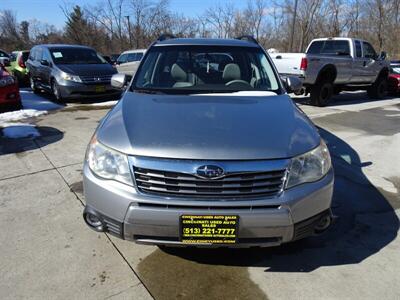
<point>153,220</point>
<point>80,90</point>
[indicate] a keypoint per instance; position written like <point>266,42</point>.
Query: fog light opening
<point>94,221</point>
<point>323,224</point>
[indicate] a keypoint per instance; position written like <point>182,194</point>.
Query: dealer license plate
<point>100,88</point>
<point>209,229</point>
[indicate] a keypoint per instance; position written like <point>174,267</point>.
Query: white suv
<point>128,61</point>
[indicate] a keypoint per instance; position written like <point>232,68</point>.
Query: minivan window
<point>38,53</point>
<point>45,55</point>
<point>75,56</point>
<point>329,47</point>
<point>205,69</point>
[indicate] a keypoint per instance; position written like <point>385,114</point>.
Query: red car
<point>394,78</point>
<point>9,90</point>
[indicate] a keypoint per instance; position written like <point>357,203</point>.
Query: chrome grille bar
<point>242,179</point>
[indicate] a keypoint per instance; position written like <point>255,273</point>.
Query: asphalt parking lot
<point>47,252</point>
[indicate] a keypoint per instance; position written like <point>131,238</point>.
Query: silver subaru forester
<point>207,149</point>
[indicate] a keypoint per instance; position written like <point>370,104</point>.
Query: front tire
<point>33,85</point>
<point>378,89</point>
<point>321,93</point>
<point>56,91</point>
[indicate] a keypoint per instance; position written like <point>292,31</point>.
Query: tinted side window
<point>369,51</point>
<point>131,57</point>
<point>315,47</point>
<point>122,58</point>
<point>139,56</point>
<point>329,47</point>
<point>3,54</point>
<point>358,49</point>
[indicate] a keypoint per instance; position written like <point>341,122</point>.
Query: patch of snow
<point>20,130</point>
<point>19,115</point>
<point>106,103</point>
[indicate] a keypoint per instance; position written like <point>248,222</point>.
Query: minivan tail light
<point>21,62</point>
<point>303,64</point>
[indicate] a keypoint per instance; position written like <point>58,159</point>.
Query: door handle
<point>278,57</point>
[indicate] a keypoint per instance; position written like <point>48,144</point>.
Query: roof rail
<point>165,36</point>
<point>248,38</point>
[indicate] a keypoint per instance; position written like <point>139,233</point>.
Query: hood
<point>88,70</point>
<point>208,127</point>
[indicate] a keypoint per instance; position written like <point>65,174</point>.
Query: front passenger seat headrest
<point>178,74</point>
<point>231,72</point>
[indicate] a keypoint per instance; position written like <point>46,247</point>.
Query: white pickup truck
<point>331,65</point>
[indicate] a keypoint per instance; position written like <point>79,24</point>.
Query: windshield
<point>205,69</point>
<point>75,56</point>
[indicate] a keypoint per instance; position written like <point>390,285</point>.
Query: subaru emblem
<point>210,172</point>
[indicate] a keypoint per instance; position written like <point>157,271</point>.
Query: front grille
<point>232,185</point>
<point>93,79</point>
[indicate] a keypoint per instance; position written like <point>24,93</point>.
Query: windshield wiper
<point>147,91</point>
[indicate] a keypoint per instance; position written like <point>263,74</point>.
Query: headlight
<point>70,77</point>
<point>107,163</point>
<point>310,166</point>
<point>7,80</point>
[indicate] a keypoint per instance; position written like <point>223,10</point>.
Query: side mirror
<point>7,63</point>
<point>119,81</point>
<point>292,84</point>
<point>382,56</point>
<point>44,62</point>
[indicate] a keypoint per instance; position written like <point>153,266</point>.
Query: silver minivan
<point>207,149</point>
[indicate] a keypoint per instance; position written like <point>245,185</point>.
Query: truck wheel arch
<point>327,73</point>
<point>383,73</point>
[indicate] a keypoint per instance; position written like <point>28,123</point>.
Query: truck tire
<point>321,93</point>
<point>378,89</point>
